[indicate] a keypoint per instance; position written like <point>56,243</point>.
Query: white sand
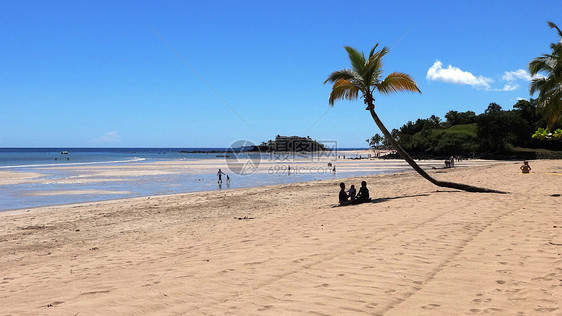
<point>417,250</point>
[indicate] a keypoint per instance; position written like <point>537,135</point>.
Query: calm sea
<point>40,160</point>
<point>34,157</point>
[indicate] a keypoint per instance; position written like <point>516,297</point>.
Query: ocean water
<point>33,157</point>
<point>41,160</point>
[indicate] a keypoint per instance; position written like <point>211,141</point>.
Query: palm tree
<point>365,77</point>
<point>549,87</point>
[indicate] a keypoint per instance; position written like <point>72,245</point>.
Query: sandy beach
<point>289,250</point>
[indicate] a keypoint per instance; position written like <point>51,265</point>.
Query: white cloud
<point>517,74</point>
<point>107,138</point>
<point>457,76</point>
<point>509,87</point>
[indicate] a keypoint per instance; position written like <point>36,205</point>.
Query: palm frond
<point>373,50</point>
<point>373,69</point>
<point>553,26</point>
<point>341,74</point>
<point>551,106</point>
<point>357,59</point>
<point>556,48</point>
<point>397,81</point>
<point>343,90</point>
<point>365,76</point>
<point>536,85</point>
<point>543,63</point>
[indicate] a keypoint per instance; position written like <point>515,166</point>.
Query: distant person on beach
<point>334,170</point>
<point>352,192</point>
<point>363,195</point>
<point>525,168</point>
<point>343,196</point>
<point>220,173</point>
<point>227,180</point>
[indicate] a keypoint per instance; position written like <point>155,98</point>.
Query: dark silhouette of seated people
<point>343,196</point>
<point>363,195</point>
<point>352,193</point>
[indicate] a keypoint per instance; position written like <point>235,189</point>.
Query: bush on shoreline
<point>493,133</point>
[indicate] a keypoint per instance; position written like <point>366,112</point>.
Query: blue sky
<point>100,74</point>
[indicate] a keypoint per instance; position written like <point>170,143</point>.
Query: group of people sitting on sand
<point>351,196</point>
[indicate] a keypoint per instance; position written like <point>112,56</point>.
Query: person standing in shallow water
<point>220,173</point>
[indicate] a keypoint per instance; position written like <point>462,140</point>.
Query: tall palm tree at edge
<point>365,78</point>
<point>549,86</point>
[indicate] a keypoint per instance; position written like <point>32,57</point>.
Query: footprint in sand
<point>547,277</point>
<point>55,303</point>
<point>430,306</point>
<point>478,301</point>
<point>323,285</point>
<point>264,308</point>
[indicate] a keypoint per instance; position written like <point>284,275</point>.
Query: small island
<point>290,144</point>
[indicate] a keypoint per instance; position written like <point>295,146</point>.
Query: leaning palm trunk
<point>416,167</point>
<point>365,78</point>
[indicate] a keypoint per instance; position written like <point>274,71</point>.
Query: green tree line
<point>464,133</point>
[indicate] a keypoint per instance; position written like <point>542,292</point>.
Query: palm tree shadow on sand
<point>385,199</point>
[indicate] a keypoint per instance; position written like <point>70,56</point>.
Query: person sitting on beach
<point>343,196</point>
<point>220,173</point>
<point>363,195</point>
<point>525,168</point>
<point>352,192</point>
